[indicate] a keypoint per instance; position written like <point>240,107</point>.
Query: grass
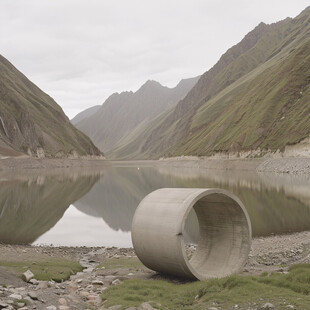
<point>53,269</point>
<point>23,301</point>
<point>129,262</point>
<point>245,291</point>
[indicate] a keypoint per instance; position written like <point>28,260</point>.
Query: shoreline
<point>287,249</point>
<point>291,165</point>
<point>105,267</point>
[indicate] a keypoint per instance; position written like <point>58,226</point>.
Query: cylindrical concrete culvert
<point>225,233</point>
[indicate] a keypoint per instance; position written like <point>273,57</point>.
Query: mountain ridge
<point>127,112</point>
<point>32,123</point>
<point>204,122</point>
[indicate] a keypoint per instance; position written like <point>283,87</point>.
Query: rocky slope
<point>255,97</point>
<point>32,123</point>
<point>123,116</point>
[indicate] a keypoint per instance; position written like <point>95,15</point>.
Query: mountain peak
<point>150,84</point>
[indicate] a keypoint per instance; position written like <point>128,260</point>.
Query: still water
<point>95,208</point>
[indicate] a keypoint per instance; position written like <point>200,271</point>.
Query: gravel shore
<point>83,290</point>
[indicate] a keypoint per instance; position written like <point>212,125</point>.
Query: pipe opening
<point>191,234</point>
<point>223,242</point>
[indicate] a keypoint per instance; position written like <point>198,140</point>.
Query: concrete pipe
<point>225,233</point>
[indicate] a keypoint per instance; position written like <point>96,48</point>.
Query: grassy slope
<point>39,119</point>
<point>269,112</point>
<point>240,103</point>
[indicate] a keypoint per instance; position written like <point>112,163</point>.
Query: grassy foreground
<point>53,269</point>
<point>247,292</point>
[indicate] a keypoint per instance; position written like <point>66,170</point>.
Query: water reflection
<point>275,203</point>
<point>30,206</point>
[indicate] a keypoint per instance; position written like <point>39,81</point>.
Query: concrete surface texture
<point>225,232</point>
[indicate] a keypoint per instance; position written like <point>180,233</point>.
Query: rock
<point>33,295</point>
<point>63,308</point>
<point>84,293</point>
<point>268,306</point>
<point>94,298</point>
<point>51,308</point>
<point>97,282</point>
<point>42,285</point>
<point>3,305</point>
<point>27,276</point>
<point>15,296</point>
<point>117,307</point>
<point>145,306</point>
<point>132,308</point>
<point>34,282</point>
<point>212,308</point>
<point>62,301</point>
<point>21,304</point>
<point>28,299</point>
<point>23,308</point>
<point>290,307</point>
<point>116,282</point>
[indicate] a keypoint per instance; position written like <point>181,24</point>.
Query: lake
<point>89,207</point>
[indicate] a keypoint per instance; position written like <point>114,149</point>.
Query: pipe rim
<point>198,197</point>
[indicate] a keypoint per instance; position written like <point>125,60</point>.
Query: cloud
<point>81,51</point>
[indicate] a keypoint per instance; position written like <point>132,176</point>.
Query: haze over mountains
<point>32,123</point>
<point>256,97</point>
<point>125,115</point>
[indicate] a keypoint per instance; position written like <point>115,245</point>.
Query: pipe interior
<point>223,244</point>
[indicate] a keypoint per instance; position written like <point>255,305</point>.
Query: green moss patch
<point>54,269</point>
<point>245,291</point>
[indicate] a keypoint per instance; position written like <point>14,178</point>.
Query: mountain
<point>31,122</point>
<point>255,97</point>
<point>84,114</point>
<point>125,115</point>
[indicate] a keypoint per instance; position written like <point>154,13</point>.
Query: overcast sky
<point>82,51</point>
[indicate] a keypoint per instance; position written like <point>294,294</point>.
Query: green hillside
<point>256,96</point>
<point>32,122</point>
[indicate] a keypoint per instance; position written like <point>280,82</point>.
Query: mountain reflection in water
<point>30,206</point>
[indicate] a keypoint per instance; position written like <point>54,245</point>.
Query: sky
<point>82,51</point>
